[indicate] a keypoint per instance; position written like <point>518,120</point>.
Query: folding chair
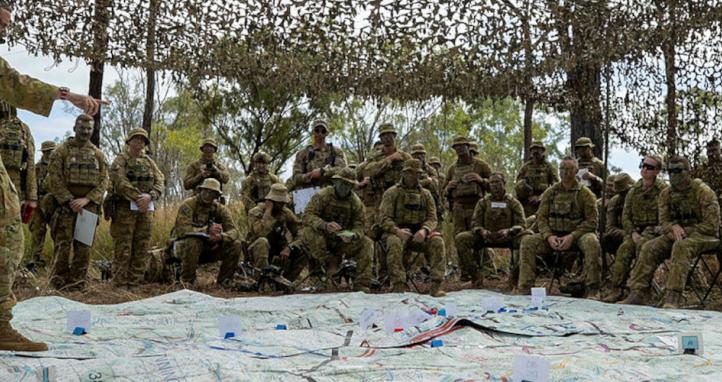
<point>702,294</point>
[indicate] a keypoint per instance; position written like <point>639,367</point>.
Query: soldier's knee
<point>588,241</point>
<point>260,244</point>
<point>464,239</point>
<point>682,246</point>
<point>393,241</point>
<point>436,243</point>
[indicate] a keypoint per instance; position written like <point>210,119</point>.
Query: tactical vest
<point>565,212</point>
<point>410,208</point>
<point>339,211</point>
<point>684,207</point>
<point>12,144</point>
<point>319,159</point>
<point>260,186</point>
<point>391,175</point>
<point>465,190</point>
<point>204,217</point>
<point>82,167</point>
<point>537,177</point>
<point>498,218</point>
<point>139,172</point>
<point>644,203</point>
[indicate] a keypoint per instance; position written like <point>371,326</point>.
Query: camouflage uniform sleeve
<point>553,174</point>
<point>386,210</point>
<point>477,220</point>
<point>184,221</point>
<point>627,223</point>
<point>26,92</point>
<point>260,224</point>
<point>449,177</point>
<point>377,166</point>
<point>292,222</point>
<point>613,225</point>
<point>158,181</point>
<point>299,176</point>
<point>359,213</point>
<point>313,209</point>
<point>96,194</point>
<point>542,214</point>
<point>588,204</point>
<point>248,202</point>
<point>223,174</point>
<point>665,219</point>
<point>709,226</point>
<point>430,222</point>
<point>193,176</point>
<point>121,184</point>
<point>339,164</point>
<point>54,180</point>
<point>230,231</point>
<point>31,183</point>
<point>517,214</point>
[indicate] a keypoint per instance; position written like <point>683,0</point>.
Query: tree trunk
<point>528,114</point>
<point>150,70</point>
<point>586,115</point>
<point>670,72</point>
<point>97,65</point>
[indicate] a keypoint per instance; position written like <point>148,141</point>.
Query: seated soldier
<point>614,232</point>
<point>333,226</point>
<point>204,232</point>
<point>408,219</point>
<point>269,225</point>
<point>498,220</point>
<point>689,216</point>
<point>567,219</point>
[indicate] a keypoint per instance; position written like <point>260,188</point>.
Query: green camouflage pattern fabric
<point>268,233</point>
<point>194,173</point>
<point>711,174</point>
<point>17,149</point>
<point>330,160</point>
<point>385,173</point>
<point>195,218</point>
<point>465,196</point>
<point>38,222</point>
<point>613,235</point>
<point>11,251</point>
<point>24,92</point>
<point>596,167</point>
<point>255,188</point>
<point>533,179</point>
<point>697,211</point>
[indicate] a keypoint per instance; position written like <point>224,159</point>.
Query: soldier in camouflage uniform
<point>136,179</point>
<point>535,176</point>
<point>77,180</point>
<point>436,164</point>
<point>474,149</point>
<point>17,150</point>
<point>317,163</point>
<point>408,219</point>
<point>206,167</point>
<point>270,223</point>
<point>204,232</point>
<point>689,216</point>
<point>614,231</point>
<point>567,219</point>
<point>593,177</point>
<point>711,171</point>
<point>430,177</point>
<point>468,178</point>
<point>333,225</point>
<point>370,194</point>
<point>497,221</point>
<point>257,185</point>
<point>38,221</point>
<point>639,221</point>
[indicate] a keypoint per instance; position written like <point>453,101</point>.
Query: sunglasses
<point>675,170</point>
<point>648,166</point>
<point>319,130</point>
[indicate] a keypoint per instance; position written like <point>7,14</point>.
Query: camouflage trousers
<point>11,252</point>
<point>682,252</point>
<point>396,251</point>
<point>462,215</point>
<point>626,254</point>
<point>193,251</point>
<point>326,250</point>
<point>537,245</point>
<point>612,242</point>
<point>131,231</point>
<point>263,252</point>
<point>467,245</point>
<point>65,270</point>
<point>38,226</point>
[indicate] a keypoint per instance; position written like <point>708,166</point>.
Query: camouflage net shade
<point>414,49</point>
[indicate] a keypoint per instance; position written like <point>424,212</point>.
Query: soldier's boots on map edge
<point>637,297</point>
<point>436,290</point>
<point>14,341</point>
<point>672,300</point>
<point>614,295</point>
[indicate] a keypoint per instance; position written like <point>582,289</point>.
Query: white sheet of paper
<point>532,369</point>
<point>451,310</point>
<point>580,175</point>
<point>134,206</point>
<point>85,225</point>
<point>498,204</point>
<point>229,324</point>
<point>417,316</point>
<point>302,197</point>
<point>78,319</point>
<point>537,297</point>
<point>368,318</point>
<point>492,303</point>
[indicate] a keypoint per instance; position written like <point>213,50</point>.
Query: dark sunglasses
<point>320,130</point>
<point>675,170</point>
<point>647,166</point>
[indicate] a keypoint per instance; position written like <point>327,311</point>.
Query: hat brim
<point>278,199</point>
<point>208,188</point>
<point>147,141</point>
<point>345,179</point>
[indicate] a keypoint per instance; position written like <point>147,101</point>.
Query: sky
<point>75,75</point>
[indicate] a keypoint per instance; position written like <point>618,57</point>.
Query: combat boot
<point>592,293</point>
<point>521,291</point>
<point>14,341</point>
<point>672,300</point>
<point>399,288</point>
<point>637,297</point>
<point>614,295</point>
<point>436,290</point>
<point>478,282</point>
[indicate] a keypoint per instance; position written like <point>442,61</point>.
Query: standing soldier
<point>369,194</point>
<point>689,216</point>
<point>498,220</point>
<point>592,167</point>
<point>468,178</point>
<point>711,171</point>
<point>17,150</point>
<point>613,234</point>
<point>317,163</point>
<point>567,218</point>
<point>257,185</point>
<point>333,225</point>
<point>640,220</point>
<point>436,164</point>
<point>206,167</point>
<point>39,220</point>
<point>77,179</point>
<point>269,223</point>
<point>408,219</point>
<point>137,184</point>
<point>26,93</point>
<point>535,176</point>
<point>204,232</point>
